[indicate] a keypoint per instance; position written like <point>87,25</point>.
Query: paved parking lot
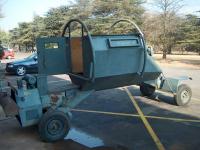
<point>114,118</point>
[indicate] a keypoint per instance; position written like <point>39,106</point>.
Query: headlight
<point>10,66</point>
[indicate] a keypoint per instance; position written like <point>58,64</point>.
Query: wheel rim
<point>55,127</point>
<point>185,96</point>
<point>21,70</point>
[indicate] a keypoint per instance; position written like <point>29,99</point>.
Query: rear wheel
<point>183,95</point>
<point>147,89</point>
<point>54,126</point>
<point>21,70</point>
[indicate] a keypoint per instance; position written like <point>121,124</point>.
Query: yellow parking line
<point>106,113</point>
<point>173,119</point>
<point>196,99</point>
<point>146,123</point>
<point>135,115</point>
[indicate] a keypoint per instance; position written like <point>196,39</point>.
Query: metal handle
<point>142,40</point>
<point>67,25</point>
<point>128,21</point>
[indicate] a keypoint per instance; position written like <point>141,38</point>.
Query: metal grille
<point>32,114</point>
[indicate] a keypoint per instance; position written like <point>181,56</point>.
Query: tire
<point>21,70</point>
<point>147,89</point>
<point>53,126</point>
<point>183,95</point>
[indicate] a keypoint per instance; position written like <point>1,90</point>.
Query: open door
<point>76,55</point>
<point>81,52</point>
<point>53,56</point>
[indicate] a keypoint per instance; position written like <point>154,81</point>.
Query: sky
<point>16,11</point>
<point>188,6</point>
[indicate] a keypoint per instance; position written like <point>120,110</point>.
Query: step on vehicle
<point>83,58</point>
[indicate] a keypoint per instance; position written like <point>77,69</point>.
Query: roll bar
<point>83,27</point>
<point>128,21</point>
<point>142,40</point>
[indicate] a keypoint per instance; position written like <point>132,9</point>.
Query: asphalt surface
<point>178,128</point>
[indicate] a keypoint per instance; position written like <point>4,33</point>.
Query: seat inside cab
<point>76,55</point>
<point>81,56</point>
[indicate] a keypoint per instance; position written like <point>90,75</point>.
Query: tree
<point>168,22</point>
<point>97,15</point>
<point>104,12</point>
<point>54,20</point>
<point>14,35</point>
<point>1,50</point>
<point>4,37</point>
<point>38,27</point>
<point>189,35</point>
<point>1,14</point>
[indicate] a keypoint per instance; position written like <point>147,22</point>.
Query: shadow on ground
<point>116,132</point>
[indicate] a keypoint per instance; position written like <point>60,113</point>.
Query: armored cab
<point>93,62</point>
<point>98,61</point>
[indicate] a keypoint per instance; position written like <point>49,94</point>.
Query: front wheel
<point>53,126</point>
<point>21,70</point>
<point>183,95</point>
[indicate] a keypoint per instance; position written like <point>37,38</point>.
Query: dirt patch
<point>180,61</point>
<point>178,64</point>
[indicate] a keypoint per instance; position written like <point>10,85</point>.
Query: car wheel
<point>21,70</point>
<point>53,126</point>
<point>183,95</point>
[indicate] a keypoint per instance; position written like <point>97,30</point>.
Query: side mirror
<point>150,51</point>
<point>35,58</point>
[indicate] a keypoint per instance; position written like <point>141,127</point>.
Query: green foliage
<point>4,37</point>
<point>105,12</point>
<point>189,35</point>
<point>97,14</point>
<point>163,31</point>
<point>1,51</point>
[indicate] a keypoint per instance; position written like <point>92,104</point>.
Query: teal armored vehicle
<point>93,62</point>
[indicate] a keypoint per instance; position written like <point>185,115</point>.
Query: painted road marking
<point>174,119</point>
<point>146,123</point>
<point>105,113</point>
<point>135,115</point>
<point>196,99</point>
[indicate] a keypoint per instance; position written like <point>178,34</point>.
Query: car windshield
<point>31,56</point>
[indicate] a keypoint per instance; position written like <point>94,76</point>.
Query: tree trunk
<point>169,51</point>
<point>164,54</point>
<point>26,48</point>
<point>19,47</point>
<point>32,47</point>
